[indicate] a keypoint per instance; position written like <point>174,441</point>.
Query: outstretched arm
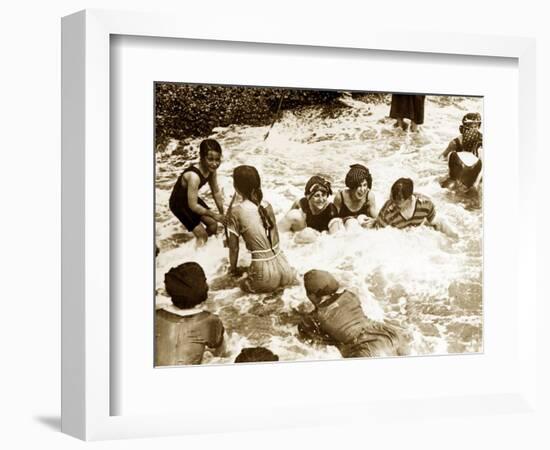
<point>292,220</point>
<point>440,225</point>
<point>216,192</point>
<point>450,148</point>
<point>192,180</point>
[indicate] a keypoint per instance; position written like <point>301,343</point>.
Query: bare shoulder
<point>191,178</point>
<point>296,204</point>
<point>236,210</point>
<point>338,198</point>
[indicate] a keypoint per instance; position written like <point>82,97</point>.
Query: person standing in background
<point>407,107</point>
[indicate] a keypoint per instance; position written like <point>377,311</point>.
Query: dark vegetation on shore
<point>185,111</point>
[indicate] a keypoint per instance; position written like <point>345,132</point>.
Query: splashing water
<point>418,278</point>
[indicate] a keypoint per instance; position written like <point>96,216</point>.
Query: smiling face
<point>318,201</point>
<point>212,160</point>
<point>360,192</point>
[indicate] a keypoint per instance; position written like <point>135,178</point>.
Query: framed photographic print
<point>301,204</point>
<point>327,208</point>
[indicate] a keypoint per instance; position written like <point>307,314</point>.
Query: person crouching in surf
<point>338,319</point>
<point>313,213</point>
<point>185,202</point>
<point>463,154</point>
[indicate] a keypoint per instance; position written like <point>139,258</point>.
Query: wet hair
<point>471,118</point>
<point>247,181</point>
<point>256,354</point>
<point>356,175</point>
<point>402,189</point>
<point>209,145</point>
<point>186,285</point>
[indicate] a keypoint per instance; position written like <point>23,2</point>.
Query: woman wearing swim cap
<point>356,204</point>
<point>313,210</point>
<point>470,139</point>
<point>339,319</point>
<point>463,153</point>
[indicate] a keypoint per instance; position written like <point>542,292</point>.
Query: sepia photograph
<point>306,224</point>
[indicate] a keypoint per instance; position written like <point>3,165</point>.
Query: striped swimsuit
<point>424,211</point>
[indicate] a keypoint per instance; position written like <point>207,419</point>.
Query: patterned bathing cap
<point>317,183</point>
<point>472,139</point>
<point>471,119</point>
<point>356,175</point>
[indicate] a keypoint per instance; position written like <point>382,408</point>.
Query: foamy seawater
<point>418,278</point>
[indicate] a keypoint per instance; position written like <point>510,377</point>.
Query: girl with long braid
<point>254,221</point>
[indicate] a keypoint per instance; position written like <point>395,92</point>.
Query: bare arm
<point>216,192</point>
<point>372,210</point>
<point>440,225</point>
<point>338,201</point>
<point>233,244</point>
<point>193,181</point>
<point>450,148</point>
<point>291,218</point>
<point>220,349</point>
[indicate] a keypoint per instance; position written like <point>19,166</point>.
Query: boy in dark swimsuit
<point>185,203</point>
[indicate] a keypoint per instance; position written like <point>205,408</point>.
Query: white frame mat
<point>87,328</point>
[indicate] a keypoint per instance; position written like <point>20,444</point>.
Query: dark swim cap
<point>320,282</point>
<point>317,183</point>
<point>468,120</point>
<point>256,354</point>
<point>471,118</point>
<point>186,284</point>
<point>356,175</point>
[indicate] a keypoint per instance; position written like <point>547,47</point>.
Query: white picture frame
<point>87,387</point>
